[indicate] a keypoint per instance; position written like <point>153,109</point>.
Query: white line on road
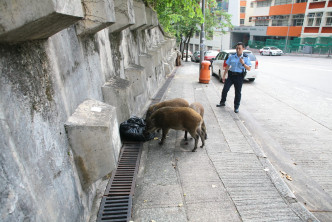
<point>329,99</point>
<point>303,90</point>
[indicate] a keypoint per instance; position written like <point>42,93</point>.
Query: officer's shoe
<point>236,110</point>
<point>221,104</point>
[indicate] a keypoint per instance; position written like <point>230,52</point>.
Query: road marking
<point>303,90</point>
<point>293,65</point>
<point>329,99</point>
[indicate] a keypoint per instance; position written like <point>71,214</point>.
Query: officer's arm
<point>226,70</point>
<point>246,67</point>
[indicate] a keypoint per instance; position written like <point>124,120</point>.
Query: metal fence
<point>307,45</point>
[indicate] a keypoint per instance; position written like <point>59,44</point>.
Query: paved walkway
<point>230,179</point>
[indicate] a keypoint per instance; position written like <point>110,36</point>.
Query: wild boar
<point>177,102</point>
<point>200,110</point>
<point>178,118</point>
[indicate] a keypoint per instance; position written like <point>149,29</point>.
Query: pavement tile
<point>216,211</point>
<point>158,214</point>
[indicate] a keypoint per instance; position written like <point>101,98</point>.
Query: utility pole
<point>202,38</point>
<point>289,24</point>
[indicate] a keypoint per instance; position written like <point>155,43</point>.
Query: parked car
<point>271,51</point>
<point>185,53</point>
<point>209,55</point>
<point>219,64</point>
<point>196,56</point>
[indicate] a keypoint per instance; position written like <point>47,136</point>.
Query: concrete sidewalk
<point>230,179</point>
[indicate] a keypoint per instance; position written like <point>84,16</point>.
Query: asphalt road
<point>288,111</point>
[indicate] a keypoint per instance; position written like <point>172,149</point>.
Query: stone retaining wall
<point>55,58</point>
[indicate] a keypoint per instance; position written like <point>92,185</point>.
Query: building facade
<point>285,20</point>
<point>278,22</point>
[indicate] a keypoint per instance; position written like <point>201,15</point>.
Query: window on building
<point>314,19</point>
<point>251,4</point>
<point>318,21</point>
<point>282,2</point>
<point>241,21</point>
<point>299,1</point>
<point>310,22</point>
<point>264,4</point>
<point>328,21</point>
<point>280,20</point>
<point>250,19</point>
<point>297,20</point>
<point>197,34</point>
<point>261,23</point>
<point>242,9</point>
<point>209,48</point>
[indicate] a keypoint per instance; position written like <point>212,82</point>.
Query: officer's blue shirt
<point>234,62</point>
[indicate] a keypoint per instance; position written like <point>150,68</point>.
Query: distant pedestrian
<point>178,57</point>
<point>237,65</point>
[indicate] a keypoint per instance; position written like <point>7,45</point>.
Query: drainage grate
<point>117,200</point>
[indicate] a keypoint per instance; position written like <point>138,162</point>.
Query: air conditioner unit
<point>319,14</point>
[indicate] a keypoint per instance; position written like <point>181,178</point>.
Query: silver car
<point>271,51</point>
<point>219,64</point>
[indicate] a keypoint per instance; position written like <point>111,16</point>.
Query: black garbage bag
<point>133,128</point>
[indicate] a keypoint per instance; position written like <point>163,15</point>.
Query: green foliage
<point>184,17</point>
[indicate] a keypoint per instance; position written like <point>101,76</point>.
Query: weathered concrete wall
<point>42,82</point>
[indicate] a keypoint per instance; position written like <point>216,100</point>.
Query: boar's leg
<point>201,134</point>
<point>164,132</point>
<point>196,137</point>
<point>185,135</point>
<point>204,129</point>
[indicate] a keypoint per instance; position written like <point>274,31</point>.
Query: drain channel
<point>163,89</point>
<point>117,200</point>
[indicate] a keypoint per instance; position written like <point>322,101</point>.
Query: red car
<point>209,55</point>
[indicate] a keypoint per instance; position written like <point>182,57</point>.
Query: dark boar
<point>178,118</point>
<point>177,102</point>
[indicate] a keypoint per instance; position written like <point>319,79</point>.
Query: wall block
<point>116,92</point>
<point>124,15</point>
<point>137,77</point>
<point>94,137</point>
<point>36,19</point>
<point>140,15</point>
<point>99,14</point>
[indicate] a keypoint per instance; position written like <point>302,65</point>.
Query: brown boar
<point>177,102</point>
<point>178,118</point>
<point>200,110</point>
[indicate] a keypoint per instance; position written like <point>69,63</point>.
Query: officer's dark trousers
<point>237,80</point>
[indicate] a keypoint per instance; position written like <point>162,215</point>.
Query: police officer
<point>237,64</point>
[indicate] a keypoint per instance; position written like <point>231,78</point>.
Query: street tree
<point>183,18</point>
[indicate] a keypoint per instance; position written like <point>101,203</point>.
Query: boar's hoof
<point>161,143</point>
<point>194,150</point>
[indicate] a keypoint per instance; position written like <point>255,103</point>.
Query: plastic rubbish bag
<point>133,128</point>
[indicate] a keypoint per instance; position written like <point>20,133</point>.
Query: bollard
<point>204,76</point>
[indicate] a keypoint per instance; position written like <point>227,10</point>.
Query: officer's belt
<point>234,73</point>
